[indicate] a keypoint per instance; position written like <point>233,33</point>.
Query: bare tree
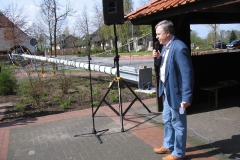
<point>98,23</point>
<point>214,31</point>
<point>84,25</point>
<point>53,14</point>
<point>84,22</point>
<point>97,16</point>
<point>66,31</point>
<point>124,31</point>
<point>46,15</point>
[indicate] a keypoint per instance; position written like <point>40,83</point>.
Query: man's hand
<point>156,54</point>
<point>185,104</point>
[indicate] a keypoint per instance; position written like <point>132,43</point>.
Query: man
<point>176,84</point>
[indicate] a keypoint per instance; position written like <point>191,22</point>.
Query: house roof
<point>201,11</point>
<point>11,34</point>
<point>96,38</point>
<point>59,39</point>
<point>156,6</point>
<point>4,21</point>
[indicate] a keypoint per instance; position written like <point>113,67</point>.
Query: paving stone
<point>63,144</point>
<point>55,140</point>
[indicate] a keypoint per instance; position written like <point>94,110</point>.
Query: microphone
<point>156,47</point>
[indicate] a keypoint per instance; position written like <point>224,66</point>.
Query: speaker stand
<point>118,79</point>
<point>93,121</point>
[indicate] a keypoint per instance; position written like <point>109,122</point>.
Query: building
<point>11,35</point>
<point>209,69</point>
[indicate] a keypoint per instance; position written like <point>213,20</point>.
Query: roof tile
<point>156,6</point>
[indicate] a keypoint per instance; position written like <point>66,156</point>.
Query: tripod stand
<point>90,78</point>
<point>118,79</point>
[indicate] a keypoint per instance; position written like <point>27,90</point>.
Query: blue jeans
<point>175,130</point>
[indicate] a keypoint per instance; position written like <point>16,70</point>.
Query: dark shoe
<point>171,157</point>
<point>161,150</point>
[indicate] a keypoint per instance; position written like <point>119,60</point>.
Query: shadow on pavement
<point>228,147</point>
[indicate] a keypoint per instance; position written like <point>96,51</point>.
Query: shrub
<point>97,49</point>
<point>32,90</point>
<point>64,82</point>
<point>8,80</point>
<point>20,108</point>
<point>83,54</point>
<point>113,96</point>
<point>152,95</point>
<point>96,103</point>
<point>65,104</point>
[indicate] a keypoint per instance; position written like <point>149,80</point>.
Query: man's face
<point>162,37</point>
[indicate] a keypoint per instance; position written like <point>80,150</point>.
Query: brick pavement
<point>52,137</point>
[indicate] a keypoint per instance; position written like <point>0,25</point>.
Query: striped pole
<point>93,67</point>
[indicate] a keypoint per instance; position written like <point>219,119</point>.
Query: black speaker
<point>113,12</point>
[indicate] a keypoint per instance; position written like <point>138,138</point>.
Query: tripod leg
<point>130,105</point>
<point>120,105</point>
<point>93,132</point>
<point>105,101</point>
<point>109,105</point>
<point>98,136</point>
<point>136,97</point>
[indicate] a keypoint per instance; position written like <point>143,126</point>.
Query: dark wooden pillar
<point>159,102</point>
<point>182,29</point>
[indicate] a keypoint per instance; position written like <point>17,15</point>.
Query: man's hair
<point>166,26</point>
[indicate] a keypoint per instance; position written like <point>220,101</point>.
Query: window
<point>140,41</point>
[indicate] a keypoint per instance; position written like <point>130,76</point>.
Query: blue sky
<point>31,10</point>
<point>78,5</point>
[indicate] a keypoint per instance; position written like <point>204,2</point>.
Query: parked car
<point>234,44</point>
<point>220,45</point>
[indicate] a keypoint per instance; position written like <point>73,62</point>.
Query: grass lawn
<point>136,53</point>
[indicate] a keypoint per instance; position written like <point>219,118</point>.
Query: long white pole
<point>93,67</point>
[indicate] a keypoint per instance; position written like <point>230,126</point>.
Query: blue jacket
<point>179,76</point>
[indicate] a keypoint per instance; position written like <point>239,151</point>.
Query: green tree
<point>145,29</point>
<point>193,36</point>
<point>196,40</point>
<point>107,35</point>
<point>232,36</point>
